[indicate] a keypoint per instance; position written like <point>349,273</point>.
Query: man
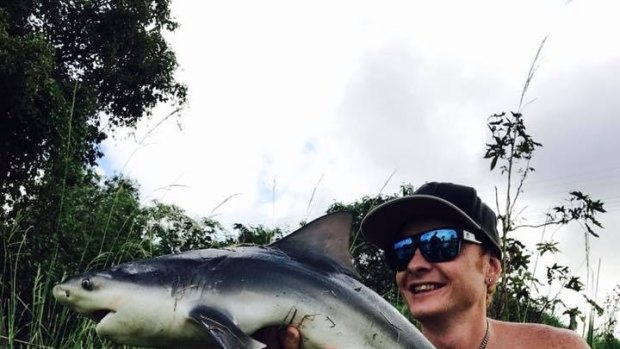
<point>443,244</point>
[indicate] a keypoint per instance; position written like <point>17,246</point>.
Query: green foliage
<point>29,99</point>
<point>605,335</point>
<point>100,224</point>
<point>580,208</point>
<point>170,230</point>
<point>256,235</point>
<point>510,141</point>
<point>115,48</point>
<point>513,148</point>
<point>66,67</point>
<point>609,342</point>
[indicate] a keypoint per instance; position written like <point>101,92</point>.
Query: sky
<point>295,105</point>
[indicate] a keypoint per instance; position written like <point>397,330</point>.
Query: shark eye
<point>87,284</point>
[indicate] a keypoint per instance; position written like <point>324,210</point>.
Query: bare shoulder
<point>510,334</point>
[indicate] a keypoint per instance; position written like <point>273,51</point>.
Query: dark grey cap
<point>457,203</point>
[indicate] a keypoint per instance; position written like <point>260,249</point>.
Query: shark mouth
<point>98,315</point>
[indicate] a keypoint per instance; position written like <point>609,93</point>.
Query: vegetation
<point>71,73</point>
<point>510,151</point>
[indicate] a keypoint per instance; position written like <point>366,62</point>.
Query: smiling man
<point>443,245</point>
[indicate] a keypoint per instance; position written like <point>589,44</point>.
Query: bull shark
<point>216,298</point>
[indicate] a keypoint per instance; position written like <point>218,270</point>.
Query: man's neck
<point>462,332</point>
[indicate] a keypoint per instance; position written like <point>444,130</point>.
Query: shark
<point>217,298</point>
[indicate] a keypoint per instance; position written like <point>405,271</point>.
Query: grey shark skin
<point>216,298</point>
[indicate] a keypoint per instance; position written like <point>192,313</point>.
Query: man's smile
<point>425,287</point>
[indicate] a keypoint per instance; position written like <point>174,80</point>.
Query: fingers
<point>290,338</point>
<point>276,337</point>
<point>280,338</point>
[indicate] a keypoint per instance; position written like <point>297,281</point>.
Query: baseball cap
<point>457,203</point>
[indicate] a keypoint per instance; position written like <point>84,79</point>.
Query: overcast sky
<point>332,97</point>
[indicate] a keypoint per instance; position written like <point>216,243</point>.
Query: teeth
<point>424,288</point>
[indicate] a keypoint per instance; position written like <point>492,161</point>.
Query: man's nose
<point>418,263</point>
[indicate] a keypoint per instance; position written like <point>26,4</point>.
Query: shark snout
<point>62,294</point>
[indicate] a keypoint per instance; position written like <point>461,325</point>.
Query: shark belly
<point>332,310</point>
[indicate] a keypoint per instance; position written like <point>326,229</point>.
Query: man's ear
<point>495,267</point>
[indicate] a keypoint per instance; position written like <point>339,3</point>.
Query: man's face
<point>447,288</point>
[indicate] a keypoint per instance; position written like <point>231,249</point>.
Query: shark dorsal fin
<point>325,236</point>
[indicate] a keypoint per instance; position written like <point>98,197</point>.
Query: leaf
<point>590,230</point>
<point>574,284</point>
<point>578,195</point>
<point>547,247</point>
<point>598,308</point>
<point>494,162</point>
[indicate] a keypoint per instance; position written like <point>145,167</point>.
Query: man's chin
<point>425,306</point>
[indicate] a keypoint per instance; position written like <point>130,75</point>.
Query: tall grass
<point>48,325</point>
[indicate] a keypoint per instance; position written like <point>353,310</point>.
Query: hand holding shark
<point>217,298</point>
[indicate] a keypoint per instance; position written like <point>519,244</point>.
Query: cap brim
<point>381,225</point>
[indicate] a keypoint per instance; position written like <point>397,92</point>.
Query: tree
<point>69,66</point>
<point>71,73</point>
<point>257,235</point>
<point>170,230</point>
<point>512,148</point>
<point>28,99</point>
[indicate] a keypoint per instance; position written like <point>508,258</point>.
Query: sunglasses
<point>436,246</point>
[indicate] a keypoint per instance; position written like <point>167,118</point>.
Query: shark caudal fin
<point>325,236</point>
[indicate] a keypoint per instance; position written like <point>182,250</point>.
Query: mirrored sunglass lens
<point>440,245</point>
<point>442,235</point>
<point>402,252</point>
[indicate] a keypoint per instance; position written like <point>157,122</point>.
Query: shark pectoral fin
<point>222,329</point>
